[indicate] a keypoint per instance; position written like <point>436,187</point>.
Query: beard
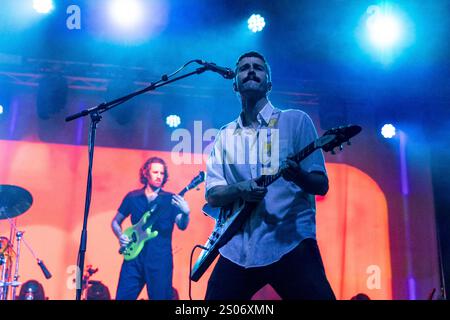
<point>155,185</point>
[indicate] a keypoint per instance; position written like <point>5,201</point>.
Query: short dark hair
<point>145,167</point>
<point>256,55</point>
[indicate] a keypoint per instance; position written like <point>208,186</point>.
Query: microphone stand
<point>94,114</point>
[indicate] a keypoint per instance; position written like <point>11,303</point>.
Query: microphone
<point>47,274</point>
<point>227,73</point>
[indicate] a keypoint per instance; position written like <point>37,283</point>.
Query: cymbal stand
<point>15,283</point>
<point>11,233</point>
<point>5,264</point>
<point>19,237</point>
<point>4,279</point>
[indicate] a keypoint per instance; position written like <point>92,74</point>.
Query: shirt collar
<point>263,116</point>
<point>157,191</point>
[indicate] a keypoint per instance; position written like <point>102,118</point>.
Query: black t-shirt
<point>135,204</point>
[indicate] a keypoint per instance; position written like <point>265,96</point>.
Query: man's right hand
<point>124,240</point>
<point>250,191</point>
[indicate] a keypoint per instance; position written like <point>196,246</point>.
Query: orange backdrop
<point>353,231</point>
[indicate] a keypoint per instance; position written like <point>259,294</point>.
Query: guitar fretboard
<point>267,180</point>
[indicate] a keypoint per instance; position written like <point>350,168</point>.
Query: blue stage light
<point>1,109</point>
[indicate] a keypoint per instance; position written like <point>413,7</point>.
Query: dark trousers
<point>157,275</point>
<point>298,275</point>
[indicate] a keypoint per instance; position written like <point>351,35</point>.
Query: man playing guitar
<point>277,243</point>
<point>154,264</point>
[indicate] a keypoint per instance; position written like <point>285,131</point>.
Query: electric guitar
<point>141,232</point>
<point>229,219</point>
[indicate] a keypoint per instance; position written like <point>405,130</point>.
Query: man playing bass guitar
<point>154,264</point>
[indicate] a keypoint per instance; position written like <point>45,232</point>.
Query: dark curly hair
<point>144,170</point>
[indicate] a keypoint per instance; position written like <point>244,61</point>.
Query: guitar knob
<point>341,147</point>
<point>332,151</point>
<point>349,143</point>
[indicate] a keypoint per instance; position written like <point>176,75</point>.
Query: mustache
<point>252,77</point>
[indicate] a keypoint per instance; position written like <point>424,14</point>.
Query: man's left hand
<point>291,170</point>
<point>180,203</point>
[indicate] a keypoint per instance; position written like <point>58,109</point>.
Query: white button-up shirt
<point>286,216</point>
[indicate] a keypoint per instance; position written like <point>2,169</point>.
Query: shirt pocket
<point>278,153</point>
<point>285,149</point>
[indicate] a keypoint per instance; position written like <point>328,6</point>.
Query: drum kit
<point>14,201</point>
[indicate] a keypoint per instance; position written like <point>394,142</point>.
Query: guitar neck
<point>306,151</point>
<point>267,180</point>
<point>194,183</point>
<point>182,192</point>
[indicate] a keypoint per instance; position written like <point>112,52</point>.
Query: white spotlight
<point>126,13</point>
<point>256,23</point>
<point>1,109</point>
<point>384,28</point>
<point>388,131</point>
<point>43,6</point>
<point>173,121</point>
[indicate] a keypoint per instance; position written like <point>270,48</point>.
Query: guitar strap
<point>266,164</point>
<point>152,206</point>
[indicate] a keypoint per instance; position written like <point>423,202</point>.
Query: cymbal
<point>13,201</point>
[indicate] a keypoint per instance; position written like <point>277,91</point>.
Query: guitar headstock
<point>197,180</point>
<point>336,137</point>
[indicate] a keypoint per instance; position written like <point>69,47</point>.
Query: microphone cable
<point>190,267</point>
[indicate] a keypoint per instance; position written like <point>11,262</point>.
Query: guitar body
<point>222,233</point>
<point>138,234</point>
